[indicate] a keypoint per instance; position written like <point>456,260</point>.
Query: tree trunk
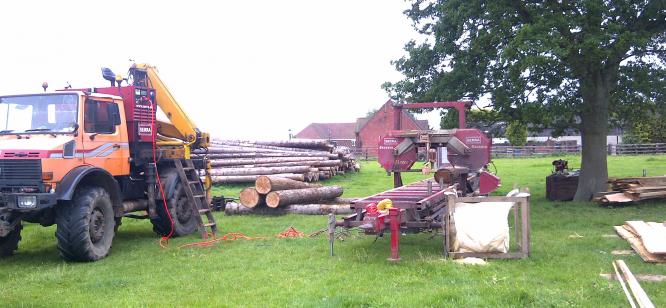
<point>258,155</point>
<point>299,143</point>
<point>306,195</point>
<point>301,209</point>
<point>314,163</point>
<point>259,171</point>
<point>266,184</point>
<point>595,89</point>
<point>264,160</point>
<point>259,146</point>
<point>249,197</point>
<point>227,179</point>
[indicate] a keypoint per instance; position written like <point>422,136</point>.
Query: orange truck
<point>83,159</point>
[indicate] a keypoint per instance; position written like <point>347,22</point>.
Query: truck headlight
<point>27,202</point>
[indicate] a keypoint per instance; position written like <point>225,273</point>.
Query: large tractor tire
<point>86,225</point>
<point>180,209</point>
<point>9,243</point>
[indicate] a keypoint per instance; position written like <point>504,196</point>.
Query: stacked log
<point>300,196</point>
<point>296,159</point>
<point>301,209</point>
<point>275,195</point>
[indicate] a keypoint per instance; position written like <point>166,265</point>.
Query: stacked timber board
<point>298,159</point>
<point>648,239</point>
<point>273,195</point>
<point>633,189</point>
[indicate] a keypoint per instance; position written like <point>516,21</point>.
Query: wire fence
<point>498,151</point>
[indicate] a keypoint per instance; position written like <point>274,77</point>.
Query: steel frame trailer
<point>427,206</point>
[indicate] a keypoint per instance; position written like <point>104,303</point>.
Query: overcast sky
<point>241,69</point>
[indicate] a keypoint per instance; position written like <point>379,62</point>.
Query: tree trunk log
<point>259,171</point>
<point>249,197</point>
<point>302,209</point>
<point>252,144</point>
<point>306,195</point>
<point>266,184</point>
<point>594,129</point>
<point>252,178</point>
<point>264,160</point>
<point>299,143</point>
<point>313,163</point>
<point>260,155</point>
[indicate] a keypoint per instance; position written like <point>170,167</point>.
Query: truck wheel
<point>86,225</point>
<point>184,221</point>
<point>9,243</point>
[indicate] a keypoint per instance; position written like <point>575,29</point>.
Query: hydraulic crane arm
<point>181,126</point>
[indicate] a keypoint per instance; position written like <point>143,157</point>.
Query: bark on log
<point>251,178</point>
<point>252,144</point>
<point>258,155</point>
<point>259,171</point>
<point>249,197</point>
<point>266,184</point>
<point>302,209</point>
<point>264,160</point>
<point>306,195</point>
<point>237,149</point>
<point>299,143</point>
<point>313,163</point>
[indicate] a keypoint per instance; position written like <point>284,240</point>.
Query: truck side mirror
<point>114,114</point>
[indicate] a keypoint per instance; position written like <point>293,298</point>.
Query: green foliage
<point>299,272</point>
<point>651,128</point>
<point>548,63</point>
<point>449,119</point>
<point>516,132</point>
<point>484,119</point>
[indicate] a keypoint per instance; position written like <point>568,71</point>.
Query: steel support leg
<point>394,215</point>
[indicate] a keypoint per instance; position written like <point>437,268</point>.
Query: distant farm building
<point>364,134</point>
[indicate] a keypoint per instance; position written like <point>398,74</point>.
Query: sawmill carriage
<point>458,158</point>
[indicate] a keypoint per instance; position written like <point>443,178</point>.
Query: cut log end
<point>273,200</point>
<point>249,197</point>
<point>263,184</point>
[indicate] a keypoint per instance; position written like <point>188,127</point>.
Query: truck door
<point>103,142</point>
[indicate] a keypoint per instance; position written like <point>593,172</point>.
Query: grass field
<point>563,270</point>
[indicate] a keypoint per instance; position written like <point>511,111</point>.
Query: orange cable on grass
<point>290,232</point>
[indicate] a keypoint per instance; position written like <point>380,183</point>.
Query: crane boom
<point>181,126</point>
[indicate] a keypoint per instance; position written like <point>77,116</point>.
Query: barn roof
<point>328,131</point>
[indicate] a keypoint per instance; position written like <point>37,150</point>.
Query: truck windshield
<point>40,113</point>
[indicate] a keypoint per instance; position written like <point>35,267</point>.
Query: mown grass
<point>562,271</point>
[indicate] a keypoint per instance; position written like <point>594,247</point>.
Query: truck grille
<point>20,170</point>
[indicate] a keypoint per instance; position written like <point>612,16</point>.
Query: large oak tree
<point>556,64</point>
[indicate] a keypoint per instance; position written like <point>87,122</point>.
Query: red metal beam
<point>460,106</point>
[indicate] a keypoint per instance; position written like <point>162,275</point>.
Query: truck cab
<point>45,136</point>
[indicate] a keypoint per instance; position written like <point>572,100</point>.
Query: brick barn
<point>364,134</point>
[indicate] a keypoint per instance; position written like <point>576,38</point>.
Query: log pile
<point>633,190</point>
<point>273,195</point>
<point>297,159</point>
<point>648,239</point>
